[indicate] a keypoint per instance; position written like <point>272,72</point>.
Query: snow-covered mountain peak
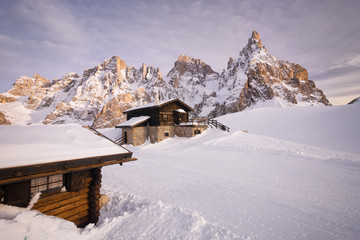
<point>255,52</point>
<point>187,59</point>
<point>189,71</point>
<point>186,65</point>
<point>113,63</point>
<point>102,93</point>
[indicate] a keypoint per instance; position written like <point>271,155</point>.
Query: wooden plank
<point>95,187</point>
<point>68,164</point>
<point>69,169</point>
<point>60,203</point>
<point>59,197</point>
<point>81,222</point>
<point>68,207</point>
<point>88,180</point>
<point>74,213</point>
<point>94,211</point>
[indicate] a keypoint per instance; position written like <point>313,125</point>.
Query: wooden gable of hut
<point>170,112</point>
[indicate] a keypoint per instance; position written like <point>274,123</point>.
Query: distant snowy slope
<point>328,127</point>
<point>356,101</point>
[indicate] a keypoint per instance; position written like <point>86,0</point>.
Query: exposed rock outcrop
<point>256,76</point>
<point>6,99</point>
<point>100,95</point>
<point>112,112</point>
<point>3,119</point>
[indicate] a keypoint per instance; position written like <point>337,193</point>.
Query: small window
<point>47,184</point>
<point>2,194</point>
<point>197,132</point>
<point>167,134</point>
<point>165,116</point>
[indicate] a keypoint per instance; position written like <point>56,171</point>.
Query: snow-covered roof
<point>37,144</point>
<point>160,104</point>
<point>133,121</point>
<point>180,110</point>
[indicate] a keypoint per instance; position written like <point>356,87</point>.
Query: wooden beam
<point>74,213</point>
<point>70,169</point>
<point>83,203</point>
<point>53,205</point>
<point>19,171</point>
<point>59,196</point>
<point>78,217</point>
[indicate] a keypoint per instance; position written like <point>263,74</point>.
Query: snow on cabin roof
<point>155,105</point>
<point>180,110</point>
<point>37,144</point>
<point>133,121</point>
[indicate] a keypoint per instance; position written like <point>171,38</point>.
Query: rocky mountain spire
<point>255,39</point>
<point>102,93</point>
<point>254,45</point>
<point>191,65</point>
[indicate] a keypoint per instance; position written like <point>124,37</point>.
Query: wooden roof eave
<point>160,105</point>
<point>16,174</point>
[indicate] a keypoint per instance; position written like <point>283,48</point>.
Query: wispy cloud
<point>54,37</point>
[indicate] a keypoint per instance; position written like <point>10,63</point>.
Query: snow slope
<point>234,185</point>
<point>328,127</point>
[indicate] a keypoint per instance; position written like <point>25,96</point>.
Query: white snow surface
<point>149,105</point>
<point>133,121</point>
<point>270,183</point>
<point>34,144</point>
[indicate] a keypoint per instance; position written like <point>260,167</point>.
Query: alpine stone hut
<point>158,121</point>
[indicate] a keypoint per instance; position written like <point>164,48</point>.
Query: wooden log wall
<point>72,206</point>
<point>80,207</point>
<point>94,195</point>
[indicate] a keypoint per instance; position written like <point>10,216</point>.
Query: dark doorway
<point>125,138</point>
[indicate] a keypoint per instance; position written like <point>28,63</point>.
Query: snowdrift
<point>294,175</point>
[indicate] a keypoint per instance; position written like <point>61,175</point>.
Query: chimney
<point>140,101</point>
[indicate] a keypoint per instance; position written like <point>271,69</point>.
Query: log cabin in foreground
<point>158,121</point>
<point>62,162</point>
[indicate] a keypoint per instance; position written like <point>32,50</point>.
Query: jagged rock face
<point>25,85</point>
<point>3,120</point>
<point>112,112</point>
<point>189,70</point>
<point>6,99</point>
<point>193,81</point>
<point>256,76</point>
<point>101,94</point>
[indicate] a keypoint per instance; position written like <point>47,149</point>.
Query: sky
<point>55,37</point>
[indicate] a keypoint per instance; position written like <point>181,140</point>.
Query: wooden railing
<point>119,141</point>
<point>216,124</point>
<point>210,122</point>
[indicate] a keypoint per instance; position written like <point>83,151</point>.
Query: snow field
<point>256,192</point>
<point>334,127</point>
<point>295,175</point>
